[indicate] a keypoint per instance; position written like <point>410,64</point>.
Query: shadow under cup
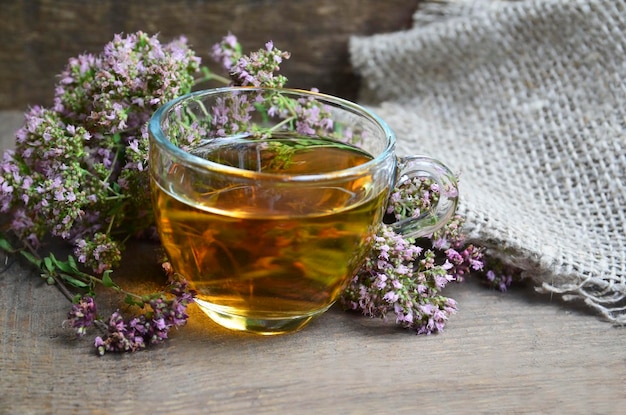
<point>266,200</point>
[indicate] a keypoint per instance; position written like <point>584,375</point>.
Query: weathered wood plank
<point>38,36</point>
<point>502,354</point>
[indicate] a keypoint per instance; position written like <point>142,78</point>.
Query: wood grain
<point>513,353</point>
<point>38,36</point>
<point>509,353</point>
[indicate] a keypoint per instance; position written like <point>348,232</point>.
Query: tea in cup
<point>267,200</point>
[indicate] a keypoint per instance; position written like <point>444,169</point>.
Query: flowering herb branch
<point>404,276</point>
<point>79,173</point>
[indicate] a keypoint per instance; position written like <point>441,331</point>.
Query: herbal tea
<point>255,254</point>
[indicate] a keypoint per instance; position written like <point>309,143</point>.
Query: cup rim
<point>156,132</point>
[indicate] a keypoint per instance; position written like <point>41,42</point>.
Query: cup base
<point>267,326</point>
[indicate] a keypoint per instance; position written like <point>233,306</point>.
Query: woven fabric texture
<point>526,101</point>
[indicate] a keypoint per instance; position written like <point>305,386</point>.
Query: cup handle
<point>427,222</point>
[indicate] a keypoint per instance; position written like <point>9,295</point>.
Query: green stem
<point>116,288</point>
<point>101,325</point>
<point>58,278</point>
<point>110,225</point>
<point>117,153</point>
<point>61,286</point>
<point>280,124</point>
<point>116,196</point>
<point>209,76</point>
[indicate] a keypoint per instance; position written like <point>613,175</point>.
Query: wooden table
<point>512,353</point>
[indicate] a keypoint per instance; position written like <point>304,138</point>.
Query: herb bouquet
<point>79,173</point>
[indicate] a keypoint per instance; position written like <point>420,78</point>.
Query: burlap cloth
<point>526,100</point>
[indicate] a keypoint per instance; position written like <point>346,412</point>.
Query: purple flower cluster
<point>501,276</point>
<point>231,115</point>
<point>147,329</point>
<point>413,198</point>
<point>79,167</point>
<point>82,315</point>
<point>464,259</point>
<point>100,252</point>
<point>227,52</point>
<point>501,282</point>
<point>405,276</point>
<point>402,278</point>
<point>461,258</point>
<point>312,118</point>
<point>256,69</point>
<point>44,185</point>
<point>118,90</point>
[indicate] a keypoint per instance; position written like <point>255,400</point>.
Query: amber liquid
<point>260,257</point>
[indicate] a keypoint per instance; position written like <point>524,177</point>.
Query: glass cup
<point>266,200</point>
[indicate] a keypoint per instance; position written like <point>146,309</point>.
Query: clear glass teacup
<point>266,200</point>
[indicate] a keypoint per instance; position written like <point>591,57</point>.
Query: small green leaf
<point>149,297</point>
<point>71,262</point>
<point>47,261</point>
<point>107,281</point>
<point>130,300</point>
<point>5,245</point>
<point>74,281</point>
<point>31,258</point>
<point>63,266</point>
